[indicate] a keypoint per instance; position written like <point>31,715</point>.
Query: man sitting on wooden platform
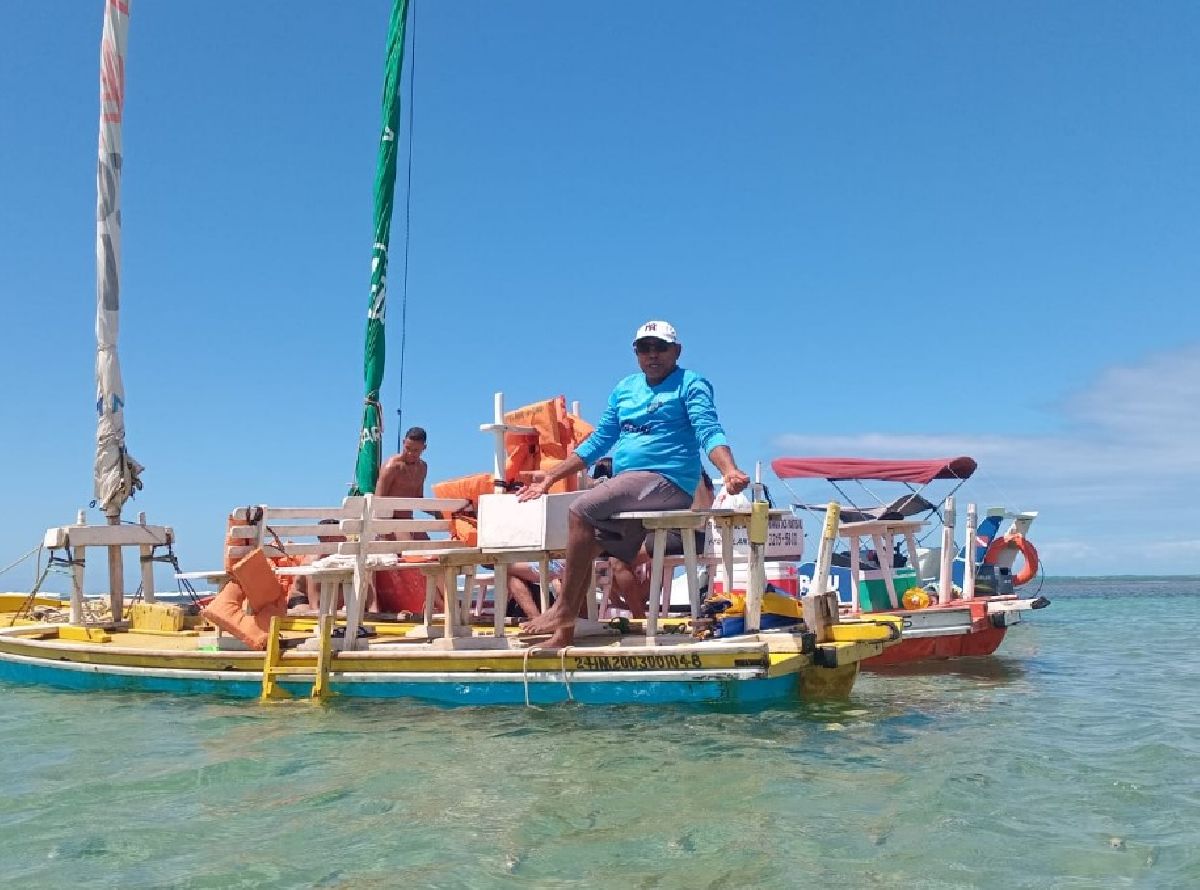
<point>403,476</point>
<point>659,420</point>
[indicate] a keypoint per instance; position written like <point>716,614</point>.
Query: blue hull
<point>467,691</point>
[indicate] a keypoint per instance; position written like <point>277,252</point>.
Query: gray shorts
<point>631,490</point>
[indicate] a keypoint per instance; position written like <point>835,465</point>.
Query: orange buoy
<point>1024,546</point>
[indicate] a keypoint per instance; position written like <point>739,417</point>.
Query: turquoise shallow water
<point>1072,759</point>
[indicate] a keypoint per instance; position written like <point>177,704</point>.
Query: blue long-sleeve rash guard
<point>661,428</point>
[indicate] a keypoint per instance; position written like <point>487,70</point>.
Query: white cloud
<point>1118,484</point>
<point>1154,406</point>
<point>1185,548</point>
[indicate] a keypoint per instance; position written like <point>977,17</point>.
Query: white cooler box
<point>541,524</point>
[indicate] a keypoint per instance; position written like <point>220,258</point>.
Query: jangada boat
<point>442,657</point>
<point>155,646</point>
<point>953,601</point>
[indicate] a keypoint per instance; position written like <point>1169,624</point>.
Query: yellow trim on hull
<point>828,670</point>
<point>876,629</point>
<point>15,602</point>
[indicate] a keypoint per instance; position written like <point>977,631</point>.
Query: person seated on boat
<point>305,598</point>
<point>525,587</point>
<point>657,422</point>
<point>403,476</point>
<point>631,582</point>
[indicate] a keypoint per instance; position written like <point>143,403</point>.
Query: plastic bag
<point>739,503</point>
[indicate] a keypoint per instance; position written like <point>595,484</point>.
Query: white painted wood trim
<point>394,526</point>
<point>386,505</point>
<point>131,535</point>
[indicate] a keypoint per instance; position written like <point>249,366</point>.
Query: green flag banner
<point>370,442</point>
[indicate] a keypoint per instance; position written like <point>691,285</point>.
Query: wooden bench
<point>370,540</point>
<point>686,522</point>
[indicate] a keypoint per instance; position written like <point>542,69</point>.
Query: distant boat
<point>954,602</point>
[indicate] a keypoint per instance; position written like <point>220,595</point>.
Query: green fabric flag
<point>370,442</point>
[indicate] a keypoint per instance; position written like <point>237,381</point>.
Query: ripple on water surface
<point>1068,760</point>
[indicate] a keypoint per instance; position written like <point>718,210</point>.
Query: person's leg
<point>591,513</point>
<point>519,590</point>
<point>631,587</point>
<point>312,592</point>
<point>559,619</point>
<point>526,571</point>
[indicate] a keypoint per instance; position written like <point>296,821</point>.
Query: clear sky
<point>882,229</point>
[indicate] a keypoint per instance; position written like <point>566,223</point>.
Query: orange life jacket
<point>463,525</point>
<point>254,582</point>
<point>231,541</point>
<point>556,433</point>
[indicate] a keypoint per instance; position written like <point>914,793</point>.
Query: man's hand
<point>543,479</point>
<point>533,490</point>
<point>735,481</point>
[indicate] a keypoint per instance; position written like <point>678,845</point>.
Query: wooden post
<point>910,543</point>
<point>883,552</point>
<point>726,524</point>
<point>691,568</point>
<point>544,575</point>
<point>969,553</point>
<point>77,554</point>
<point>946,576</point>
<point>147,552</point>
<point>829,533</point>
<point>756,571</point>
<point>357,600</point>
<point>467,611</point>
<point>855,567</point>
<point>499,596</point>
<point>430,600</point>
<point>450,601</point>
<point>320,689</point>
<point>499,455</point>
<point>593,608</point>
<point>116,573</point>
<point>820,612</point>
<point>656,580</point>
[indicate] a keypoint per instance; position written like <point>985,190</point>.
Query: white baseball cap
<point>660,330</point>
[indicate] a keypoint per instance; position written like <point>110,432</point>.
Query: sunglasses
<point>645,347</point>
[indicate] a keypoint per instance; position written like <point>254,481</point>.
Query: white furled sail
<point>116,473</point>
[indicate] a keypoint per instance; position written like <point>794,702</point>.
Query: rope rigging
<point>412,79</point>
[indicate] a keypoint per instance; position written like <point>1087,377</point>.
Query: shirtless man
<point>403,475</point>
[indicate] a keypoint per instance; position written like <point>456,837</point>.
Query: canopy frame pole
<point>946,575</point>
<point>970,534</point>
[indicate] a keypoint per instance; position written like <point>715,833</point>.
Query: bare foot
<point>560,639</point>
<point>548,622</point>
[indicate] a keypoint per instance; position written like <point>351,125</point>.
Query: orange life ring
<point>1024,547</point>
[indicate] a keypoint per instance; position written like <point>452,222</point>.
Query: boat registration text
<point>636,662</point>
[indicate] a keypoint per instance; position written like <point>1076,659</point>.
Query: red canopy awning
<point>836,469</point>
